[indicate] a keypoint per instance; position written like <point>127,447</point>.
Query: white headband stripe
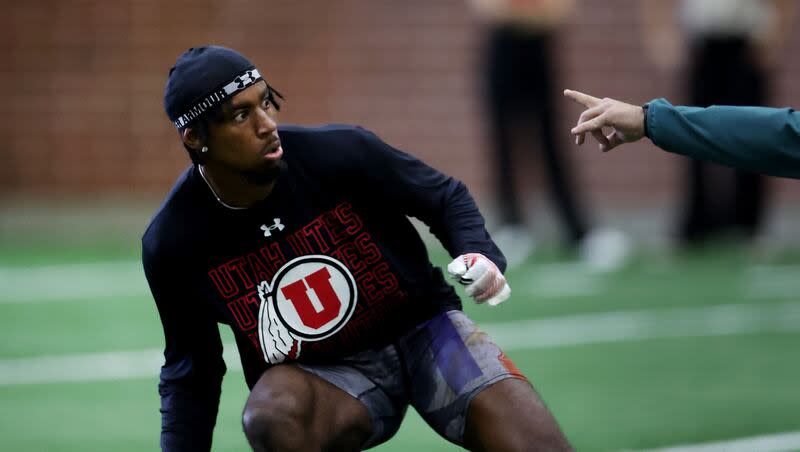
<point>239,83</point>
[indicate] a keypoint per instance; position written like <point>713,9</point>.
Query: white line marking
<point>526,334</point>
<point>72,282</point>
<point>772,281</point>
<point>103,280</point>
<point>619,326</point>
<point>80,368</point>
<point>561,280</point>
<point>781,442</point>
<point>120,365</point>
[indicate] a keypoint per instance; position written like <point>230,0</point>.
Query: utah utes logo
<point>310,298</point>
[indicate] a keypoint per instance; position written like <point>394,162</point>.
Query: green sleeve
<point>764,140</point>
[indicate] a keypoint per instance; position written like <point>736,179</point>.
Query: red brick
<point>85,110</point>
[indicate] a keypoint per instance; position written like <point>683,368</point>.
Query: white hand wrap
<point>482,278</point>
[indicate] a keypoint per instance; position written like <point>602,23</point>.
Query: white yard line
<point>103,280</point>
<point>621,326</point>
<point>72,282</point>
<point>562,280</point>
<point>119,365</point>
<point>125,278</point>
<point>780,442</point>
<point>79,368</point>
<point>772,281</point>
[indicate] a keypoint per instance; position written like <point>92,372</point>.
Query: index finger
<point>582,98</point>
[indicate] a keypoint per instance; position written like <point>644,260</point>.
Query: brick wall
<point>82,82</point>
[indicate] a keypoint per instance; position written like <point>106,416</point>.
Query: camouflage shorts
<point>437,368</point>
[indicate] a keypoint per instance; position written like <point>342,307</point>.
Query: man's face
<point>246,140</point>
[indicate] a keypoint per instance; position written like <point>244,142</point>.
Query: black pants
<point>520,98</point>
<point>720,199</point>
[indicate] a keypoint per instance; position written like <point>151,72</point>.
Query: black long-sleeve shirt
<point>327,265</point>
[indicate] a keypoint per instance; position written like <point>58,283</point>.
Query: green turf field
<point>671,350</point>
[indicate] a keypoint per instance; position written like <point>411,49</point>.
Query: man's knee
<point>277,417</point>
<point>509,415</point>
<point>272,415</point>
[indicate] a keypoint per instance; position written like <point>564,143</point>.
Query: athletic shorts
<point>437,368</point>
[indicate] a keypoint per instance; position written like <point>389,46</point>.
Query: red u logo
<point>314,313</point>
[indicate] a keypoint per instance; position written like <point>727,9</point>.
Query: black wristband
<point>645,108</point>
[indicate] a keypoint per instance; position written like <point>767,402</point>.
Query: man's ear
<point>191,139</point>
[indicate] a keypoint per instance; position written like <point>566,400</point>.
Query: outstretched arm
<point>765,140</point>
<point>446,206</point>
<point>760,139</point>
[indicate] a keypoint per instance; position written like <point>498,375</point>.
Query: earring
<point>204,149</point>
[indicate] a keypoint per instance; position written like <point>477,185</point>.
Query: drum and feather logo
<point>310,298</point>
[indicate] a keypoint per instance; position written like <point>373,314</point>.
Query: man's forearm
<point>188,417</point>
<point>765,140</point>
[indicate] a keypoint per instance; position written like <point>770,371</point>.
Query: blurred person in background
<point>759,139</point>
<point>299,240</point>
<point>733,46</point>
<point>520,73</point>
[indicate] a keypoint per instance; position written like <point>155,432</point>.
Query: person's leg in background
<point>558,166</point>
<point>600,248</point>
<point>520,91</point>
<point>699,212</point>
<point>718,199</point>
<point>750,87</point>
<point>506,98</point>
